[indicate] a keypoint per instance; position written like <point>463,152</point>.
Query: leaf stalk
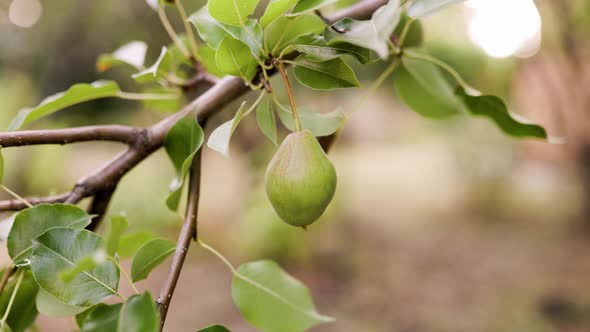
<point>281,67</point>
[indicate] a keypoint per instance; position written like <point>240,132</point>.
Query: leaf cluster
<point>63,270</point>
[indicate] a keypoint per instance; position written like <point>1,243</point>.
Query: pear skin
<point>300,180</point>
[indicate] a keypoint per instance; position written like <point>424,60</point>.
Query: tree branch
<point>188,233</point>
<point>143,142</point>
<point>17,204</point>
<point>215,98</point>
<point>148,140</point>
<point>114,133</point>
<point>99,206</point>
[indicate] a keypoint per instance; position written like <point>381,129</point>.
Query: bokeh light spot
<point>503,28</point>
<point>25,13</point>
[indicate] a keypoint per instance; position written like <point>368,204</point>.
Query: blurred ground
<point>436,226</point>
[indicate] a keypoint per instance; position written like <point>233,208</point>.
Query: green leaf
<point>284,30</point>
<point>275,9</point>
<point>209,29</point>
<point>234,58</point>
<point>207,54</point>
<point>86,263</point>
<point>50,306</point>
<point>423,88</point>
<point>320,124</point>
<point>272,300</point>
<point>157,70</point>
<point>220,137</point>
<point>232,12</point>
<point>495,109</point>
<point>386,18</point>
<point>132,54</point>
<point>100,318</point>
<point>130,244</point>
<point>265,118</point>
<point>372,34</point>
<point>78,93</point>
<point>327,75</point>
<point>182,143</point>
<point>213,31</point>
<point>118,225</point>
<point>149,257</point>
<point>23,311</point>
<point>215,328</point>
<point>61,249</point>
<point>422,8</point>
<point>309,5</point>
<point>317,49</point>
<point>139,314</point>
<point>32,222</point>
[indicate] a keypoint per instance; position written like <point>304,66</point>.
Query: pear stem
<point>281,67</point>
<point>405,31</point>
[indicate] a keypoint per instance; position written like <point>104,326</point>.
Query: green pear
<point>300,179</point>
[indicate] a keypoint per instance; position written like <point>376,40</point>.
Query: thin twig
<point>16,204</point>
<point>202,76</point>
<point>99,206</point>
<point>114,133</point>
<point>187,234</point>
<point>226,90</point>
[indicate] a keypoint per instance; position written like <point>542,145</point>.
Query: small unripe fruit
<point>300,179</point>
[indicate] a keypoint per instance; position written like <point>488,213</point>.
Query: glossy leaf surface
<point>78,93</point>
<point>495,109</point>
<point>23,311</point>
<point>423,88</point>
<point>272,300</point>
<point>326,75</point>
<point>139,314</point>
<point>149,257</point>
<point>61,249</point>
<point>32,222</point>
<point>182,143</point>
<point>232,12</point>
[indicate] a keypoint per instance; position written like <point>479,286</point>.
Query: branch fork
<point>141,143</point>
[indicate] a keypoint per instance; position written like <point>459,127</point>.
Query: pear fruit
<point>300,180</point>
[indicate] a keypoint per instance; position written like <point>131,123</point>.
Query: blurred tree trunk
<point>554,88</point>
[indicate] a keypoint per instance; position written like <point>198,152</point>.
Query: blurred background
<point>442,226</point>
